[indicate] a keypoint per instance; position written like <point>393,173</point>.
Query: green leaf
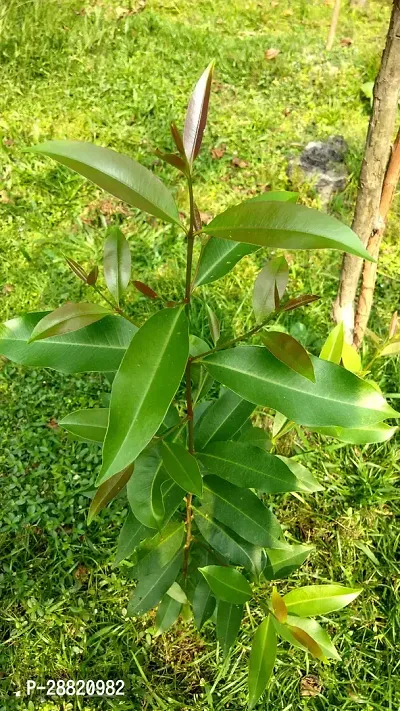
<point>337,398</point>
<point>151,589</point>
<point>167,614</point>
<point>262,659</point>
<point>350,358</point>
<point>242,511</point>
<point>219,256</point>
<point>304,477</point>
<point>67,318</point>
<point>98,347</point>
<point>117,263</point>
<point>203,603</point>
<point>279,606</point>
<point>281,563</point>
<point>290,352</point>
<point>144,387</point>
<point>229,618</point>
<point>319,599</point>
<point>222,420</point>
<point>227,584</point>
<point>108,491</point>
<point>380,432</point>
<point>182,467</point>
<point>273,277</point>
<point>213,325</point>
<point>226,542</point>
<point>333,346</point>
<point>144,489</point>
<point>196,115</point>
<point>391,349</point>
<point>172,497</point>
<point>287,226</point>
<point>247,466</point>
<point>313,629</point>
<point>132,533</point>
<point>176,592</point>
<point>89,425</point>
<point>156,552</point>
<point>257,437</point>
<point>116,173</point>
<point>281,196</point>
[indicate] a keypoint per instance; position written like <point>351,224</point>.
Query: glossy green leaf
<point>337,398</point>
<point>116,173</point>
<point>176,592</point>
<point>156,552</point>
<point>227,584</point>
<point>282,562</point>
<point>203,603</point>
<point>89,425</point>
<point>222,420</point>
<point>117,263</point>
<point>287,226</point>
<point>380,432</point>
<point>152,588</point>
<point>182,467</point>
<point>98,347</point>
<point>196,115</point>
<point>258,437</point>
<point>108,491</point>
<point>144,387</point>
<point>132,533</point>
<point>274,276</point>
<point>333,346</point>
<point>172,497</point>
<point>350,358</point>
<point>313,629</point>
<point>218,257</point>
<point>247,466</point>
<point>271,195</point>
<point>167,614</point>
<point>290,352</point>
<point>228,622</point>
<point>242,511</point>
<point>304,477</point>
<point>262,659</point>
<point>226,542</point>
<point>319,599</point>
<point>66,319</point>
<point>144,490</point>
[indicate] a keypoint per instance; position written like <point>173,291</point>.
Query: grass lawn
<point>117,72</point>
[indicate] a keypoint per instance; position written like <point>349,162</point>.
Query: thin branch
<point>334,21</point>
<point>228,344</point>
<point>114,307</point>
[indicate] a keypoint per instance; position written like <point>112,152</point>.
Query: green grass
<point>100,71</point>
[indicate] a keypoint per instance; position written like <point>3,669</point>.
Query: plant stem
<point>228,344</point>
<point>188,375</point>
<point>113,306</point>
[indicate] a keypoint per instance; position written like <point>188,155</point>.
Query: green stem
<point>114,307</point>
<point>228,344</point>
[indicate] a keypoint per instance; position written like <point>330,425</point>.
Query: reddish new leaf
<point>299,301</point>
<point>196,115</point>
<point>77,269</point>
<point>177,138</point>
<point>145,290</point>
<point>290,352</point>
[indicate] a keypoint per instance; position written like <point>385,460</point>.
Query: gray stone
<point>322,164</point>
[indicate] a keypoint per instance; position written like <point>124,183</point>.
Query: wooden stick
<point>364,305</point>
<point>334,21</point>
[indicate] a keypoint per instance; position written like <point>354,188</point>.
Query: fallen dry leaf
<point>346,41</point>
<point>53,424</point>
<point>286,111</point>
<point>271,53</point>
<point>217,153</point>
<point>310,685</point>
<point>239,162</point>
<point>8,289</point>
<point>205,217</point>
